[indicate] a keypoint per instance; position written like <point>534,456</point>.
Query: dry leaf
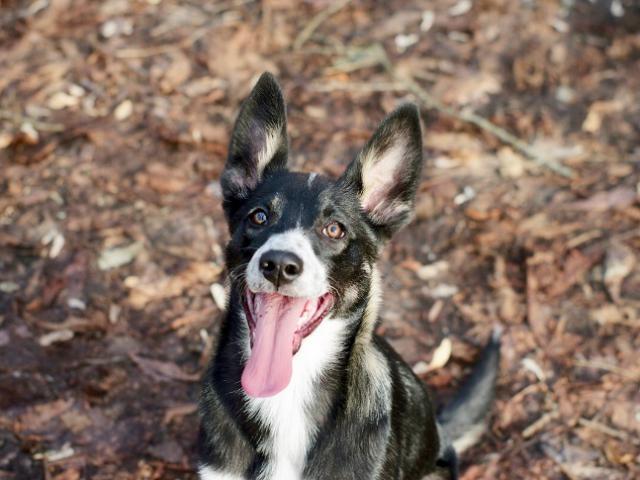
<point>432,270</point>
<point>219,295</point>
<point>9,287</point>
<point>119,256</point>
<point>163,370</point>
<point>65,451</point>
<point>55,337</point>
<point>150,288</point>
<point>597,111</point>
<point>441,356</point>
<point>443,290</point>
<point>619,263</point>
<point>61,100</point>
<point>618,198</point>
<point>177,73</point>
<point>202,86</point>
<point>6,139</point>
<point>70,473</point>
<point>533,366</point>
<point>178,411</point>
<point>460,8</point>
<point>37,417</point>
<point>123,111</point>
<point>576,265</point>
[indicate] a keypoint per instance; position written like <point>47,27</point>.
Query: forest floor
<point>114,123</point>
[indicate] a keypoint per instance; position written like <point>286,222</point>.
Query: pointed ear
<point>386,173</point>
<point>259,142</point>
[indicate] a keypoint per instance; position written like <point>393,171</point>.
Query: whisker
<point>237,275</point>
<point>333,289</point>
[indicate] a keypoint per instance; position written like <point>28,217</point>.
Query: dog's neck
<point>290,420</point>
<point>338,357</point>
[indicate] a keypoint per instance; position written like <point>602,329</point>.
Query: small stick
<point>359,87</point>
<point>539,424</point>
<point>599,427</point>
<point>480,122</point>
<point>601,365</point>
<point>410,85</point>
<point>134,52</point>
<point>316,21</point>
<point>17,119</point>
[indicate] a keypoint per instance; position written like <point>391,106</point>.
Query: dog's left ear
<point>259,142</point>
<point>386,173</point>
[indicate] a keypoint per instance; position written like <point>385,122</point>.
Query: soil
<point>114,123</point>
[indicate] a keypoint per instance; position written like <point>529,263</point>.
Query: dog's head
<point>303,246</point>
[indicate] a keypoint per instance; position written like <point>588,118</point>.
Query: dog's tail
<point>463,420</point>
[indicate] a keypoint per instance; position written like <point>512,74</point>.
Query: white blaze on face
<point>312,282</point>
<point>286,414</point>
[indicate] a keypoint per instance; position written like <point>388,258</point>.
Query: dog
<point>300,385</point>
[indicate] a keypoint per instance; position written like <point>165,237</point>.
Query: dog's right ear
<point>259,142</point>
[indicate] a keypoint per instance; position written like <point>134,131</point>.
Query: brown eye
<point>333,230</point>
<point>258,217</point>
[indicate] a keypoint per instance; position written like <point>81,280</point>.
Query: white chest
<point>285,414</point>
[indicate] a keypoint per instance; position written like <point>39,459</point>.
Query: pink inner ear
<point>375,199</point>
<point>381,171</point>
<point>386,210</point>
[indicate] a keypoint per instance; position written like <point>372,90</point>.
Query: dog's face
<point>303,246</point>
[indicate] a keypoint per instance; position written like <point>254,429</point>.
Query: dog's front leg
<point>355,449</point>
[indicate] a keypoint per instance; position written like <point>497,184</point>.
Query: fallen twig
<point>18,119</point>
<point>316,21</point>
<point>612,432</point>
<point>632,375</point>
<point>402,83</point>
<point>360,87</point>
<point>540,423</point>
<point>480,122</point>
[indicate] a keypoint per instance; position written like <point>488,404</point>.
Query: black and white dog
<point>301,387</point>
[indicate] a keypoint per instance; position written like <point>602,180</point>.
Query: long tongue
<point>268,370</point>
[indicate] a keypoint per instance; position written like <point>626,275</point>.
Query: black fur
<point>371,420</point>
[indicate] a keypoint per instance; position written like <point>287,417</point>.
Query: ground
<point>114,122</point>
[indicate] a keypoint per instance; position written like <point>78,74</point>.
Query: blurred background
<point>114,122</point>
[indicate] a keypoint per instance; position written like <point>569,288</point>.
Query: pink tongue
<point>268,370</point>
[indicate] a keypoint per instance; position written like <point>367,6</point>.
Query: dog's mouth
<point>278,324</point>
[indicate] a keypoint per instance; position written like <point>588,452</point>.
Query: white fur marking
<point>285,414</point>
<point>271,144</point>
<point>311,283</point>
<point>208,473</point>
<point>311,178</point>
<point>374,362</point>
<point>378,372</point>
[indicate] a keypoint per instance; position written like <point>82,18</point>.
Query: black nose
<point>280,267</point>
